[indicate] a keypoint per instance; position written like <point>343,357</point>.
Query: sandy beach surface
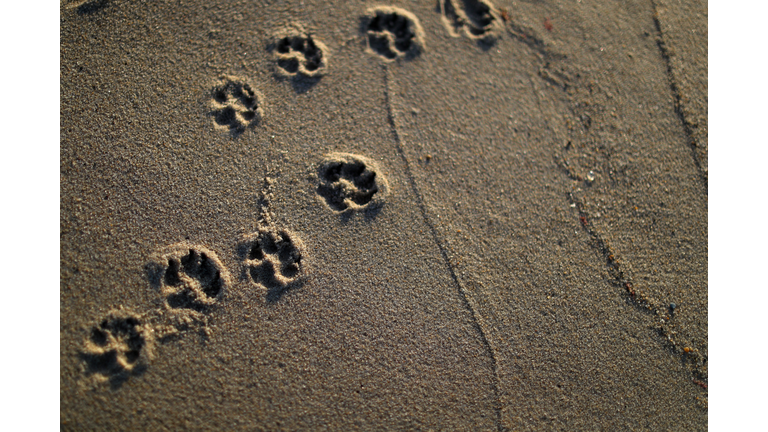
<point>416,215</point>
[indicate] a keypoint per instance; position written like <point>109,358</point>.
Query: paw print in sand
<point>273,258</point>
<point>235,105</point>
<point>189,277</point>
<point>117,346</point>
<point>351,182</point>
<point>477,19</point>
<point>299,54</point>
<point>391,32</point>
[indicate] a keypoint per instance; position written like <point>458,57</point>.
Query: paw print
<point>351,182</point>
<point>235,106</point>
<point>116,346</point>
<point>190,277</point>
<point>273,258</point>
<point>478,19</point>
<point>392,32</point>
<point>299,54</point>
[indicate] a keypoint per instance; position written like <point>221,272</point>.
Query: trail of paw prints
<point>299,55</point>
<point>350,182</point>
<point>235,105</point>
<point>191,280</point>
<point>274,259</point>
<point>477,19</point>
<point>392,33</point>
<point>118,347</point>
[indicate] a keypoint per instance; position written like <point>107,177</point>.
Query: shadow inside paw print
<point>189,277</point>
<point>476,18</point>
<point>273,259</point>
<point>392,32</point>
<point>91,6</point>
<point>300,55</point>
<point>235,105</point>
<point>351,182</point>
<point>115,348</point>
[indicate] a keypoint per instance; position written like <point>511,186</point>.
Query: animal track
<point>351,182</point>
<point>235,106</point>
<point>299,54</point>
<point>190,277</point>
<point>392,32</point>
<point>274,259</point>
<point>478,19</point>
<point>87,7</point>
<point>117,347</point>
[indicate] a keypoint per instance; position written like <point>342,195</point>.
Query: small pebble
<point>590,177</point>
<point>672,307</point>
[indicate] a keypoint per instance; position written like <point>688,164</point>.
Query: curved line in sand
<point>467,303</point>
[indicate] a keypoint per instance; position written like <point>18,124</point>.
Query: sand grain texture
<point>471,220</point>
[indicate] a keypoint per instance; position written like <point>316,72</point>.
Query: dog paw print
<point>477,19</point>
<point>189,277</point>
<point>235,105</point>
<point>392,33</point>
<point>273,258</point>
<point>117,346</point>
<point>351,182</point>
<point>299,54</point>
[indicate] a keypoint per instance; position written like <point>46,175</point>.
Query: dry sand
<point>461,215</point>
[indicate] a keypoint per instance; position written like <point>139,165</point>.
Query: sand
<point>455,215</point>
